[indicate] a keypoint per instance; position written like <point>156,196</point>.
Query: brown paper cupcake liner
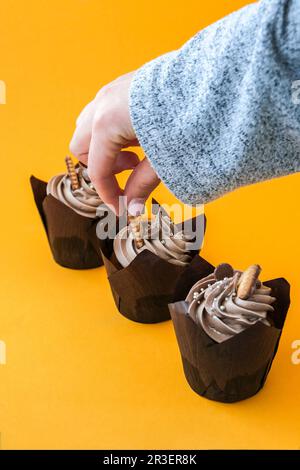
<point>237,368</point>
<point>71,237</point>
<point>143,290</point>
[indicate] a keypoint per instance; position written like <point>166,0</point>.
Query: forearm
<point>217,113</point>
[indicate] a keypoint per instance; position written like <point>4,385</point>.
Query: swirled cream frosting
<point>160,236</point>
<point>85,200</point>
<point>215,305</point>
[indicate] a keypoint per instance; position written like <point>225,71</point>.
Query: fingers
<point>81,139</point>
<point>104,178</point>
<point>83,158</point>
<point>142,181</point>
<point>102,157</point>
<point>125,160</point>
<point>103,129</point>
<point>87,111</point>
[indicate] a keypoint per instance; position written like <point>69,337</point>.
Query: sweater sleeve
<point>223,111</point>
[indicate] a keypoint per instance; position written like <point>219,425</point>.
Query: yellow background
<point>79,375</point>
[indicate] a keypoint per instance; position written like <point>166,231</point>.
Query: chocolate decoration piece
<point>248,281</point>
<point>223,270</point>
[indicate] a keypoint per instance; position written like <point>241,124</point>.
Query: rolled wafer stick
<point>72,173</point>
<point>247,281</point>
<point>135,224</point>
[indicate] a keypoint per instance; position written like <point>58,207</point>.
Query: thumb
<point>140,184</point>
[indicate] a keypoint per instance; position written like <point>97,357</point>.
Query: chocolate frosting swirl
<point>161,238</point>
<point>85,200</point>
<point>214,304</point>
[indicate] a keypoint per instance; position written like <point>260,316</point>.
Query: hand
<point>103,129</point>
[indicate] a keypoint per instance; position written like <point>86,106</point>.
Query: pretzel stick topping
<point>72,173</point>
<point>247,281</point>
<point>135,225</point>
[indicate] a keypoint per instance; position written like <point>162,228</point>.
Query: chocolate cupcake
<point>145,260</point>
<point>70,209</point>
<point>228,328</point>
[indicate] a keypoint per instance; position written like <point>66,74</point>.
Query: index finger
<point>102,154</point>
<point>80,142</point>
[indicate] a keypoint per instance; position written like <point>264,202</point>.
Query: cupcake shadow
<point>71,237</point>
<point>237,368</point>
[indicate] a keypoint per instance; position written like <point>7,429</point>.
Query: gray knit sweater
<point>223,111</point>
